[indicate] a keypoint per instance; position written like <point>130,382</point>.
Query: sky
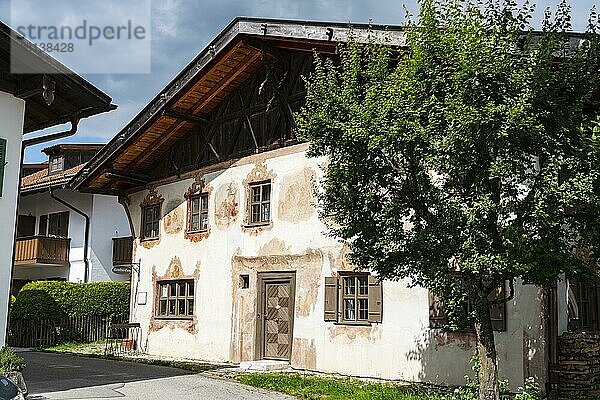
<point>180,29</point>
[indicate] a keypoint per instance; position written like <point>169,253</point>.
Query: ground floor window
<point>583,300</point>
<point>175,299</point>
<point>463,320</point>
<point>353,298</point>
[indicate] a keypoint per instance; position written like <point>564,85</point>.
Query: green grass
<point>313,387</point>
<point>96,350</point>
<point>79,348</point>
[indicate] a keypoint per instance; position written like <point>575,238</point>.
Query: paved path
<point>58,376</point>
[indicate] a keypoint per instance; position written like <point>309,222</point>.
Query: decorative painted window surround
<point>152,199</point>
<point>198,190</point>
<point>174,274</point>
<point>259,176</point>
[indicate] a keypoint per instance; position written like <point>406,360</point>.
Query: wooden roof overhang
<point>31,74</point>
<point>224,65</point>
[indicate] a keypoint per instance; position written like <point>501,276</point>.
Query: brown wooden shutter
<point>331,299</point>
<point>43,225</point>
<point>25,226</point>
<point>498,311</point>
<point>375,299</point>
<point>437,314</point>
<point>63,230</point>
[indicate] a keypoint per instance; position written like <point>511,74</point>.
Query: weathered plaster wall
<point>224,327</point>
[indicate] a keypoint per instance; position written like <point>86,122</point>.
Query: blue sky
<point>181,28</point>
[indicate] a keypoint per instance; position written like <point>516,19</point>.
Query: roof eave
<point>269,28</point>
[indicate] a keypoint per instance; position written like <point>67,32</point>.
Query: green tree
<point>474,148</point>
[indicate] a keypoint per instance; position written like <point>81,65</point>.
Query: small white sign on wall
<point>142,298</point>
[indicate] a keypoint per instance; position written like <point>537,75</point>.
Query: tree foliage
<point>474,148</point>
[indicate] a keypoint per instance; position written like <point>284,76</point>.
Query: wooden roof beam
<point>224,82</point>
<point>126,177</point>
<point>215,91</point>
<point>194,119</point>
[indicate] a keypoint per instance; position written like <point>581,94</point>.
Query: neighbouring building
<point>234,262</point>
<point>28,103</point>
<point>56,225</point>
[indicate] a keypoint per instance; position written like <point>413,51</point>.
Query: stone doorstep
<point>264,365</point>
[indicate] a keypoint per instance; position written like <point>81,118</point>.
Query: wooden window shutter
<point>64,224</point>
<point>375,299</point>
<point>498,311</point>
<point>25,226</point>
<point>437,314</point>
<point>2,163</point>
<point>43,225</point>
<point>331,299</point>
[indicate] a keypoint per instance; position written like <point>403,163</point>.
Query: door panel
<point>278,320</point>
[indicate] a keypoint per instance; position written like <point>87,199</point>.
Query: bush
<point>54,300</point>
<point>9,361</point>
<point>531,391</point>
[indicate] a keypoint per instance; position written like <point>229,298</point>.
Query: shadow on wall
<point>442,357</point>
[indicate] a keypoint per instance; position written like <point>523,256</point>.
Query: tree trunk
<point>486,350</point>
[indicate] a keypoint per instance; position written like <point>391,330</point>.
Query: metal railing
<point>123,340</point>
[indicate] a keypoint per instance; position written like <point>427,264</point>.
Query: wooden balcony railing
<point>122,250</point>
<point>42,250</point>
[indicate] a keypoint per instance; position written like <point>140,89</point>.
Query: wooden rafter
<point>194,119</point>
<point>216,90</point>
<point>224,82</point>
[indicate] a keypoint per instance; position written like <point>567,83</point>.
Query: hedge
<point>54,300</point>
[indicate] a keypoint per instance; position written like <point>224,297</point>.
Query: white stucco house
<point>64,223</point>
<point>236,265</point>
<point>28,103</point>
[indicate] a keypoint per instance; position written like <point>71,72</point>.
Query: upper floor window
<point>260,203</point>
<point>150,221</point>
<point>198,213</point>
<point>56,164</point>
<point>56,225</point>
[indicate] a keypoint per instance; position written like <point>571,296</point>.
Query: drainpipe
<point>86,261</point>
<point>54,136</point>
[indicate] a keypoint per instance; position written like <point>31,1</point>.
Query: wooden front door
<point>277,316</point>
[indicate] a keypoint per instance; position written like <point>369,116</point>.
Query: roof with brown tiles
<point>42,179</point>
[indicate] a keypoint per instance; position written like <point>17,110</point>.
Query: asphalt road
<point>58,376</point>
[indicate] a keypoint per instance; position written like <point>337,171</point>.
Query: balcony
<point>42,250</point>
<point>122,251</point>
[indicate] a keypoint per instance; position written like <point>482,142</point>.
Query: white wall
<point>12,111</point>
<point>42,204</point>
<point>106,218</point>
<point>223,329</point>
